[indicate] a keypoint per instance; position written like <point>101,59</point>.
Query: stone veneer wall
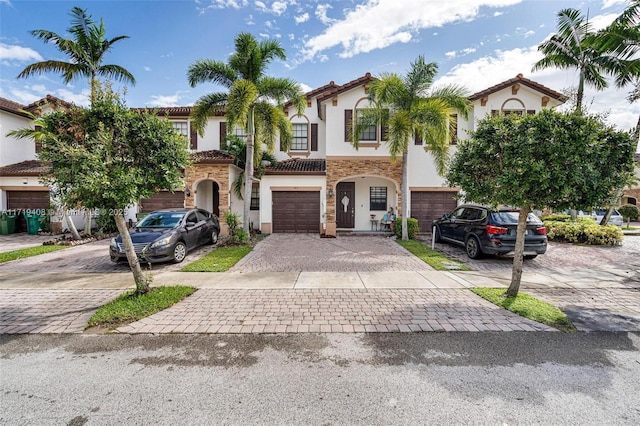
<point>635,193</point>
<point>341,169</point>
<point>215,172</point>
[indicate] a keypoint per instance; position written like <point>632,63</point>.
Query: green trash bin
<point>34,222</point>
<point>7,223</point>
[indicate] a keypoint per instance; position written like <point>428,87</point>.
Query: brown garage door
<point>163,200</point>
<point>296,211</point>
<point>27,200</point>
<point>426,206</point>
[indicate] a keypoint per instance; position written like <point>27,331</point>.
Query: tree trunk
<point>70,224</point>
<point>87,222</point>
<point>405,196</point>
<point>142,281</point>
<point>248,175</point>
<point>518,257</point>
<point>580,94</point>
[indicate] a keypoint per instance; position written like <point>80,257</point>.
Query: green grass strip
<point>529,307</point>
<point>130,307</point>
<point>28,252</point>
<point>219,260</point>
<point>433,258</point>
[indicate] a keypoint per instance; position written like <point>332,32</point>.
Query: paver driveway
<point>310,253</point>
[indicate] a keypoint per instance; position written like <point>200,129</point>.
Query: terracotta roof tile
<point>24,168</point>
<point>519,79</point>
<point>212,156</point>
<point>336,90</point>
<point>298,166</point>
<point>12,107</point>
<point>33,107</point>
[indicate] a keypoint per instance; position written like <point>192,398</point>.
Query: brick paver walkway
<point>50,311</point>
<point>332,310</point>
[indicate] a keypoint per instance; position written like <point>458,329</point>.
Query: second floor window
<point>370,133</point>
<point>300,137</point>
<point>181,127</point>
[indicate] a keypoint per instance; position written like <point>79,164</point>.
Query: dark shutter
<point>223,134</point>
<point>417,138</point>
<point>454,129</point>
<point>193,138</point>
<point>38,144</point>
<point>494,112</point>
<point>531,111</point>
<point>348,117</point>
<point>314,136</point>
<point>384,128</point>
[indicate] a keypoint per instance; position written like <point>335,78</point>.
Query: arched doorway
<point>207,196</point>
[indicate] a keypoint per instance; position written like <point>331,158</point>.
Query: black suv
<point>482,230</point>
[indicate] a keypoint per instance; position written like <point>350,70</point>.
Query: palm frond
<point>207,70</point>
<point>116,72</point>
<point>205,107</point>
<point>454,97</point>
<point>242,95</point>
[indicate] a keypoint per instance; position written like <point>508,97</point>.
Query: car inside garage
<point>427,206</point>
<point>296,211</point>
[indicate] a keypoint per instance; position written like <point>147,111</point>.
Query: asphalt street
<point>324,379</point>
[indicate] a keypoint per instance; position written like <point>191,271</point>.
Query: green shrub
<point>584,231</point>
<point>629,212</point>
<point>236,233</point>
<point>412,227</point>
<point>106,222</point>
<point>556,218</point>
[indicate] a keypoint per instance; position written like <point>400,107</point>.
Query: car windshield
<point>511,218</point>
<point>161,220</point>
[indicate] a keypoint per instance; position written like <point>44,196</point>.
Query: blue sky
<point>477,43</point>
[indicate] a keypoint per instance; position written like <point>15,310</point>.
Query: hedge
<point>584,232</point>
<point>412,227</point>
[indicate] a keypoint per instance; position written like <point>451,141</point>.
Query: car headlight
<point>114,244</point>
<point>163,242</point>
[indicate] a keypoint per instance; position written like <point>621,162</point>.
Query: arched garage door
<point>296,211</point>
<point>427,206</point>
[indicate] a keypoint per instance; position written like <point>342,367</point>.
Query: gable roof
<point>213,156</point>
<point>298,166</point>
<point>336,90</point>
<point>519,79</point>
<point>24,168</point>
<point>12,107</point>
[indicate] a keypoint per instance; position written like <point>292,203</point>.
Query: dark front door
<point>216,199</point>
<point>346,205</point>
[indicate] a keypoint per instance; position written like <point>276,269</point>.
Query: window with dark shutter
<point>223,135</point>
<point>453,140</point>
<point>314,136</point>
<point>348,117</point>
<point>193,136</point>
<point>38,144</point>
<point>384,128</point>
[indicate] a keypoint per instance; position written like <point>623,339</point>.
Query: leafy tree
<point>109,157</point>
<point>86,50</point>
<point>568,49</point>
<point>548,160</point>
<point>409,106</point>
<point>253,100</point>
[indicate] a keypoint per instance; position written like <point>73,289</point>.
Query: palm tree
<point>238,148</point>
<point>409,106</point>
<point>253,100</point>
<point>86,50</point>
<point>568,49</point>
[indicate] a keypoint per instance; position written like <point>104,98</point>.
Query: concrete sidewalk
<point>385,301</point>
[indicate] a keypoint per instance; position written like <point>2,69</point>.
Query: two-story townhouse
<point>322,184</point>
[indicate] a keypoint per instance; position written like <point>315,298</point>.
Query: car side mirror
<point>445,216</point>
<point>191,224</point>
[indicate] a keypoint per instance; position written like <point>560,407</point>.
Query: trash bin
<point>7,223</point>
<point>34,222</point>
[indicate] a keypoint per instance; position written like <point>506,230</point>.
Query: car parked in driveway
<point>482,230</point>
<point>168,235</point>
<point>598,215</point>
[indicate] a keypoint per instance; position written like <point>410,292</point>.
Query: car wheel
<point>436,231</point>
<point>214,237</point>
<point>473,248</point>
<point>179,252</point>
<point>531,256</point>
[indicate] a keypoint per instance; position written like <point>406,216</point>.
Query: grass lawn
<point>219,260</point>
<point>28,252</point>
<point>129,307</point>
<point>529,307</point>
<point>433,258</point>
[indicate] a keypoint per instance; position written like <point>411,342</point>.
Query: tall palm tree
<point>409,106</point>
<point>85,49</point>
<point>567,49</point>
<point>253,100</point>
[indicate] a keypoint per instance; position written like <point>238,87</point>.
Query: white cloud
<point>305,87</point>
<point>468,50</point>
<point>487,71</point>
<point>249,20</point>
<point>600,21</point>
<point>529,33</point>
<point>147,68</point>
<point>377,24</point>
<point>292,36</point>
<point>497,13</point>
<point>450,55</point>
<point>7,2</point>
<point>164,100</point>
<point>81,98</point>
<point>302,18</point>
<point>608,3</point>
<point>277,7</point>
<point>11,53</point>
<point>321,14</point>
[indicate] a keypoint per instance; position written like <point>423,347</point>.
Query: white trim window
<point>182,128</point>
<point>300,137</point>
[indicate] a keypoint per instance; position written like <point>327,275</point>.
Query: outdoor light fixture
<point>330,192</point>
<point>187,191</point>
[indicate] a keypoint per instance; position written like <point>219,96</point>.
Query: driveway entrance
<point>311,253</point>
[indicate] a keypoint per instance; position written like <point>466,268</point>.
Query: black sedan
<point>168,235</point>
<point>481,230</point>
